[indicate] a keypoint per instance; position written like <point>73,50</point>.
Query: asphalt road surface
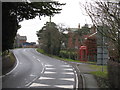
<point>35,70</point>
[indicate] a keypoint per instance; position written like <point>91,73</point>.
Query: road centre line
<point>38,60</point>
<point>30,83</point>
<point>35,78</point>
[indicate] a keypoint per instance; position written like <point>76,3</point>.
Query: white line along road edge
<point>17,61</point>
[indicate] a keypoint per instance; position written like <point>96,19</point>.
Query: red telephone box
<point>83,53</point>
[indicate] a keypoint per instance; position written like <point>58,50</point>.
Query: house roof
<point>21,37</point>
<point>73,29</point>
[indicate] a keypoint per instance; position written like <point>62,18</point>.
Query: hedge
<point>8,62</point>
<point>114,74</point>
<point>66,54</point>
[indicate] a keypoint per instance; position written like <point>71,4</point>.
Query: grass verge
<point>65,59</point>
<point>100,76</point>
<point>99,67</point>
<point>8,62</point>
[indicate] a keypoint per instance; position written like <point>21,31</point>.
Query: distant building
<point>29,45</point>
<point>90,41</point>
<point>19,40</point>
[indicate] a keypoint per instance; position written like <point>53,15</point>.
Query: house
<point>19,40</point>
<point>96,46</point>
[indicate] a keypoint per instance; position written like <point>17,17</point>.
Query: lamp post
<point>102,52</point>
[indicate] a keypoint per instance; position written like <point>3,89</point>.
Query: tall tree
<point>77,46</point>
<point>15,12</point>
<point>70,46</point>
<point>106,17</point>
<point>49,37</point>
<point>85,30</point>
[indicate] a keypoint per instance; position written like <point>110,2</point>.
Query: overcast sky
<point>71,15</point>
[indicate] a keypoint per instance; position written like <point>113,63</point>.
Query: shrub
<point>66,54</point>
<point>8,61</point>
<point>114,74</point>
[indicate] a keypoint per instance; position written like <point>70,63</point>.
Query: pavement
<point>88,80</point>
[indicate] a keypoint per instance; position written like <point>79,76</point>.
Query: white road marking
<point>45,78</point>
<point>38,60</point>
<point>68,73</point>
<point>37,51</point>
<point>64,86</point>
<point>42,64</point>
<point>68,79</point>
<point>37,84</point>
<point>69,69</point>
<point>76,80</point>
<point>65,65</point>
<point>32,75</point>
<point>48,65</point>
<point>31,81</point>
<point>43,68</point>
<point>13,68</point>
<point>47,72</point>
<point>50,68</point>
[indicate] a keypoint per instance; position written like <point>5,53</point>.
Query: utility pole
<point>102,52</point>
<point>50,19</point>
<point>103,49</point>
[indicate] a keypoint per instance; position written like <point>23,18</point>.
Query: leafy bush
<point>66,54</point>
<point>114,74</point>
<point>100,74</point>
<point>102,82</point>
<point>8,61</point>
<point>40,50</point>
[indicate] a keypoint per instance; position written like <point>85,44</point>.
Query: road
<point>35,70</point>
